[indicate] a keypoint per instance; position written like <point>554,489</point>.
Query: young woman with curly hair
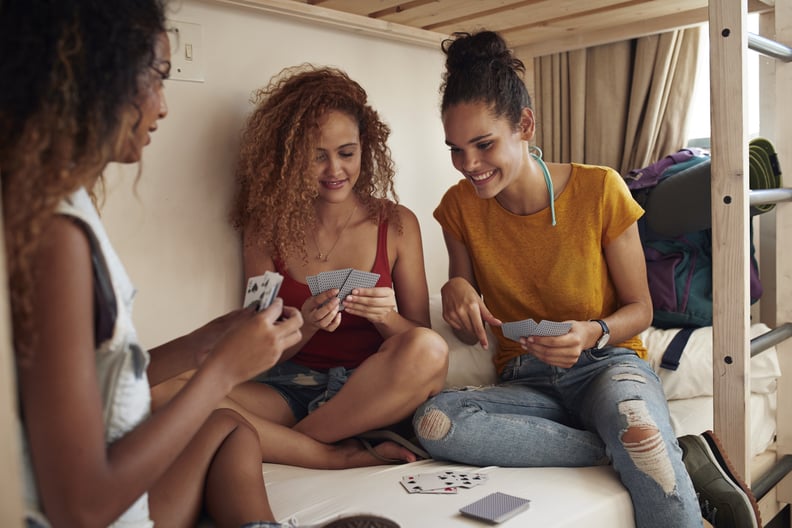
<point>316,194</point>
<point>84,87</point>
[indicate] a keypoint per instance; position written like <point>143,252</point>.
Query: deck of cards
<point>495,507</point>
<point>345,280</point>
<point>262,289</point>
<point>528,327</point>
<point>442,482</point>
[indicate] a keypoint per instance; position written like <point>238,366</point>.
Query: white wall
<point>171,228</point>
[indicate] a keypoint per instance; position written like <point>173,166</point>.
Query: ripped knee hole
<point>433,425</point>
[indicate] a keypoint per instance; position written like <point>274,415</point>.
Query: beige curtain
<point>622,105</point>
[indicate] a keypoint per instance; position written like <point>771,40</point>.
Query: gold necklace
<point>322,257</point>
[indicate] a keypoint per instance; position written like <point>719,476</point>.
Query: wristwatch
<point>603,340</point>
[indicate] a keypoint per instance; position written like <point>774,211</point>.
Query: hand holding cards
<point>528,327</point>
<point>262,289</point>
<point>345,280</point>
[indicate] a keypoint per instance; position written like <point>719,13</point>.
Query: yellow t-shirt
<point>527,268</point>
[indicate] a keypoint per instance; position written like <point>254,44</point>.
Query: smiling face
<point>149,105</point>
<point>337,161</point>
<point>486,149</point>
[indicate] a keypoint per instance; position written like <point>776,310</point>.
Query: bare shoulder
<point>408,219</point>
<point>257,255</point>
<point>61,241</point>
<point>61,295</point>
<point>404,239</point>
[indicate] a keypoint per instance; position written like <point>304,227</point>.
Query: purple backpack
<point>679,265</point>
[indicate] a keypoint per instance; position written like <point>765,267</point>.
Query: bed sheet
<point>314,496</point>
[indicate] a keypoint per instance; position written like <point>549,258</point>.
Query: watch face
<point>603,340</point>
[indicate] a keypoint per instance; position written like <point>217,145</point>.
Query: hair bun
<point>465,51</point>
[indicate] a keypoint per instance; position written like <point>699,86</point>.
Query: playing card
<point>346,280</point>
<point>470,480</point>
<point>357,279</point>
<point>313,284</point>
<point>514,330</point>
<point>496,507</point>
<point>442,482</point>
<point>262,289</point>
<point>426,484</point>
<point>333,279</point>
<point>551,328</point>
<point>430,481</point>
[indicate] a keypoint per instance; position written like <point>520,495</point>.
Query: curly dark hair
<point>276,192</point>
<point>69,69</point>
<point>481,68</point>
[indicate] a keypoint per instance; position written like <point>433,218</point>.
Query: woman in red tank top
<point>316,195</point>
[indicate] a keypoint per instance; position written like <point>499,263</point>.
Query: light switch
<point>187,51</point>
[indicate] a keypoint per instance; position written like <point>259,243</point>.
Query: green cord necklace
<point>548,180</point>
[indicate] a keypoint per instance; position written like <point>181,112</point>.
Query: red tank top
<point>356,338</point>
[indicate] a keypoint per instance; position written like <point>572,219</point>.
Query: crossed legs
<point>219,470</point>
<point>384,389</point>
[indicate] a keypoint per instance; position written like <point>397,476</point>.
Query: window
<point>698,120</point>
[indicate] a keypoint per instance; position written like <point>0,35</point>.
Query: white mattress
<point>560,497</point>
<point>311,496</point>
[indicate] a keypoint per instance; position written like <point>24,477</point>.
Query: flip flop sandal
<point>373,452</point>
<point>382,435</point>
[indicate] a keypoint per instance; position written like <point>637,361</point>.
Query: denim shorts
<point>304,389</point>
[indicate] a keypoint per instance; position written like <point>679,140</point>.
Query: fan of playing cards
<point>442,482</point>
<point>262,289</point>
<point>528,327</point>
<point>345,280</point>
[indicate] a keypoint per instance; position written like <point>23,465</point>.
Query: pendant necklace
<point>322,257</point>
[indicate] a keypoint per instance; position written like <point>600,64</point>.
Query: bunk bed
<point>546,26</point>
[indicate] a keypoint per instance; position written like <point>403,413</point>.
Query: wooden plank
<point>343,21</point>
<point>549,26</point>
<point>11,513</point>
<point>441,15</point>
<point>552,43</point>
<point>359,7</point>
<point>571,15</point>
<point>602,19</point>
<point>731,298</point>
<point>783,251</point>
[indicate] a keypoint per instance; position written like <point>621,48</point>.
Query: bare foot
<point>384,453</point>
<point>393,451</point>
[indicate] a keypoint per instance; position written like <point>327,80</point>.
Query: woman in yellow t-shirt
<point>549,256</point>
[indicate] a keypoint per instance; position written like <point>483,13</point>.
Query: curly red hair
<point>276,193</point>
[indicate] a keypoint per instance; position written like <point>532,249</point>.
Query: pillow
<point>467,364</point>
<point>693,377</point>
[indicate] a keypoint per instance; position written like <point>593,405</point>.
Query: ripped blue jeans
<point>545,416</point>
<point>304,389</point>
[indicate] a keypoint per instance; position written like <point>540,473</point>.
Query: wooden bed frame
<point>729,45</point>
